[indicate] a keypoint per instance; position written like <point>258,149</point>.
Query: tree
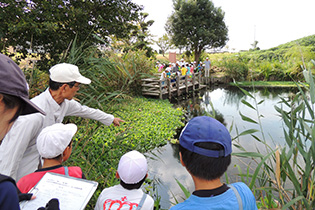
<point>140,38</point>
<point>164,43</point>
<point>198,25</point>
<point>255,45</point>
<point>48,27</point>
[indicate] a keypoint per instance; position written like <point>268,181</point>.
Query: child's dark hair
<point>56,85</point>
<point>132,186</point>
<point>204,167</point>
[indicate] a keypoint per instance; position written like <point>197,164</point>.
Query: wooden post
<point>199,80</point>
<point>186,83</point>
<point>177,84</point>
<point>169,88</point>
<point>193,82</point>
<point>161,95</point>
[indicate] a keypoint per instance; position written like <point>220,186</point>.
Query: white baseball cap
<point>54,139</point>
<point>132,167</point>
<point>66,72</point>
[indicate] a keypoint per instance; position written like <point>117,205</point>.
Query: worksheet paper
<point>72,193</point>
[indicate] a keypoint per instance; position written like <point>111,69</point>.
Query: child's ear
<point>66,154</point>
<point>181,159</point>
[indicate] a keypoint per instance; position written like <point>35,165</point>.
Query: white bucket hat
<point>132,167</point>
<point>54,139</point>
<point>66,72</point>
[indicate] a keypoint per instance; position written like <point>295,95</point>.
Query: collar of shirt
<point>211,193</point>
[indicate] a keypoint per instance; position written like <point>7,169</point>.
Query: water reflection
<point>226,102</point>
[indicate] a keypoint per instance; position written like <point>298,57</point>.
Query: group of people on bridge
<point>182,68</point>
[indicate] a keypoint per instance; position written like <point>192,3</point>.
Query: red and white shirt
<point>119,198</point>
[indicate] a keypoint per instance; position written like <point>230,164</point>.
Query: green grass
<point>266,84</point>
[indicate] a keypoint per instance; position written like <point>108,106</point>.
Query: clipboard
<point>72,193</point>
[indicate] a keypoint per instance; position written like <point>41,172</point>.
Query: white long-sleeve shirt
<point>18,152</point>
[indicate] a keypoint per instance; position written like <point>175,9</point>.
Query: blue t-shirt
<point>224,201</point>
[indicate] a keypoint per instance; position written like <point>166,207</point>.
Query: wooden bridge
<point>171,87</point>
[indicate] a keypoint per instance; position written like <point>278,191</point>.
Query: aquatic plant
<point>98,148</point>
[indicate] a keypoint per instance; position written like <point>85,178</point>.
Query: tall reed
<point>285,175</point>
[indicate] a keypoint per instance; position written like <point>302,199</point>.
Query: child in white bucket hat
<point>132,172</point>
<point>54,144</point>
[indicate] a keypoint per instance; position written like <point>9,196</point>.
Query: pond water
<point>164,165</point>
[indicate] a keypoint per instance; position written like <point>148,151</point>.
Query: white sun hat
<point>132,167</point>
<point>66,72</point>
<point>54,139</point>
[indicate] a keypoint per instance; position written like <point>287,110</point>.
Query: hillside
<point>301,47</point>
<point>285,62</point>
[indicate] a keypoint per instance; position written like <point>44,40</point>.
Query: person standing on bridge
<point>18,152</point>
<point>207,67</point>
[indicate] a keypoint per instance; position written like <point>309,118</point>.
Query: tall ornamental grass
<point>113,76</point>
<point>283,177</point>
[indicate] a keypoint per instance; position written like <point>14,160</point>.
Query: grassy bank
<point>266,84</point>
<point>98,148</point>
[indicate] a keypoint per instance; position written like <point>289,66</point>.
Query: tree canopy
<point>48,27</point>
<point>198,25</point>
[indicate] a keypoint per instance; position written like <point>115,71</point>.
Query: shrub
<point>236,69</point>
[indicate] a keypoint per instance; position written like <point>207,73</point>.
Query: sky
<point>270,22</point>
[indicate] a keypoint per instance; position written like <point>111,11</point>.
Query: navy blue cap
<point>206,129</point>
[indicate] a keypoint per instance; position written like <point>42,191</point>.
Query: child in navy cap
<point>205,151</point>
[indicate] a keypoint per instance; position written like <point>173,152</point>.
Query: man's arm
<point>76,109</point>
<point>21,136</point>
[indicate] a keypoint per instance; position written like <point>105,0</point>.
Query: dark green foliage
<point>48,27</point>
<point>140,38</point>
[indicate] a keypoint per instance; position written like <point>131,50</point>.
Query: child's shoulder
<point>239,185</point>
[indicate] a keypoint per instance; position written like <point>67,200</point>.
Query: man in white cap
<point>207,67</point>
<point>54,144</point>
<point>18,152</point>
<point>132,172</point>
